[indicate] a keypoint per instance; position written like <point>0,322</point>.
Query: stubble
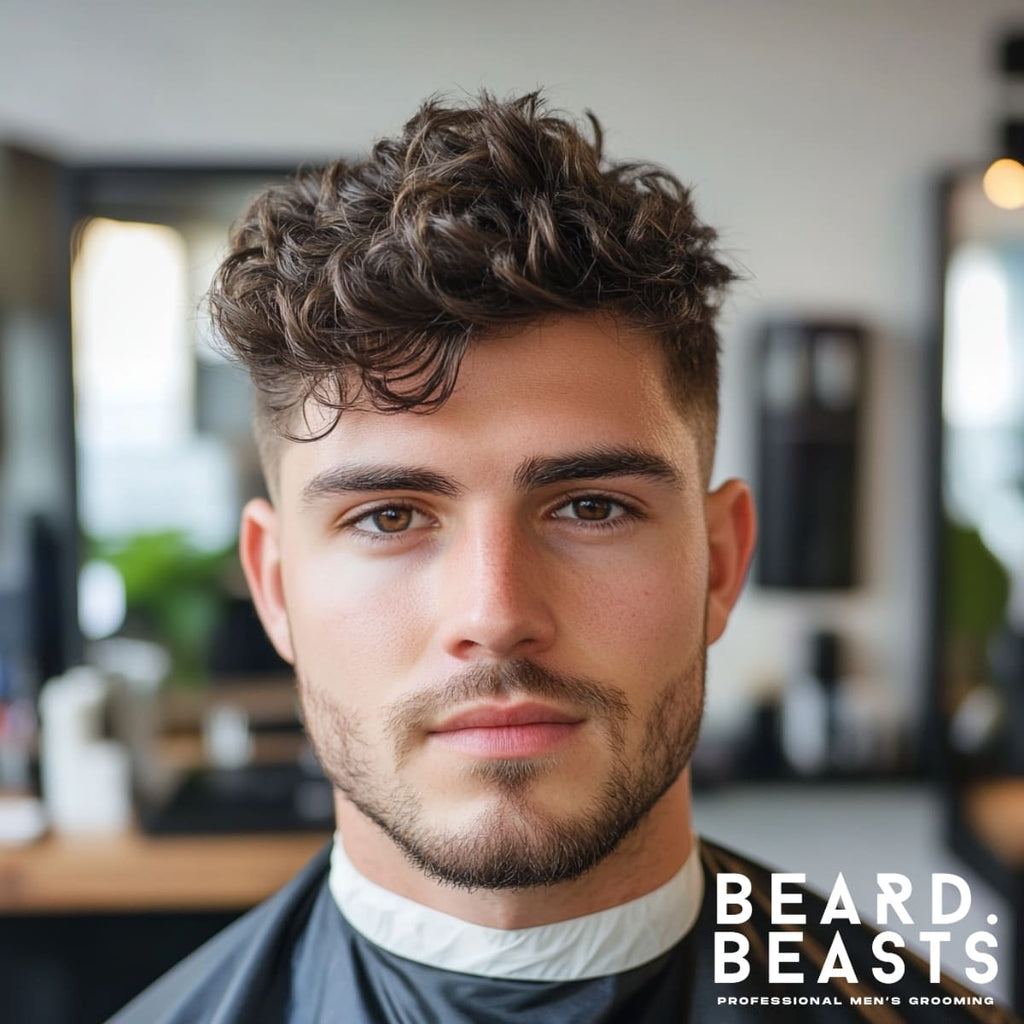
<point>515,843</point>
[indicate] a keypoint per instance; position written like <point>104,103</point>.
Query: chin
<point>515,838</point>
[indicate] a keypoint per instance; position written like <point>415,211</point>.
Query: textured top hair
<point>367,281</point>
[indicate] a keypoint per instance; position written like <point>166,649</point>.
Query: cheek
<point>350,621</point>
<point>650,613</point>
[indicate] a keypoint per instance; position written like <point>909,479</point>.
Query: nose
<point>495,600</point>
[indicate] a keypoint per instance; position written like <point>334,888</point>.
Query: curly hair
<point>369,280</point>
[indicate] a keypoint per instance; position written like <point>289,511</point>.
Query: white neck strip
<point>592,946</point>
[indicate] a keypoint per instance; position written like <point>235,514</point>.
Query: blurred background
<point>861,163</point>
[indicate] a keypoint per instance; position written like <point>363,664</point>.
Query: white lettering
<point>837,963</point>
<point>939,884</point>
<point>893,891</point>
<point>776,957</point>
<point>934,941</point>
<point>974,940</point>
<point>737,956</point>
<point>780,898</point>
<point>738,897</point>
<point>840,904</point>
<point>898,964</point>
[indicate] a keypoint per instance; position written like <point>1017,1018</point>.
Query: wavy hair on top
<point>368,280</point>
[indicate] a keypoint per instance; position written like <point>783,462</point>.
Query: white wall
<point>812,130</point>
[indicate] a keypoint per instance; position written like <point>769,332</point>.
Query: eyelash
<point>630,513</point>
<point>374,536</point>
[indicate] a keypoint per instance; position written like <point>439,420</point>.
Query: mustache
<point>512,678</point>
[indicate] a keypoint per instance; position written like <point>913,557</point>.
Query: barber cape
<point>332,947</point>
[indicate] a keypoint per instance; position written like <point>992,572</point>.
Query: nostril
<point>500,632</point>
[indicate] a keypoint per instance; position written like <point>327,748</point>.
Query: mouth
<point>507,730</point>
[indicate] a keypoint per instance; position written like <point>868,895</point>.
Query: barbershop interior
<point>863,165</point>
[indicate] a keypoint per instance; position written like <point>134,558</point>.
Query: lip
<point>507,730</point>
<point>503,716</point>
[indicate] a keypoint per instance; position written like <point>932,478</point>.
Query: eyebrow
<point>539,471</point>
<point>594,463</point>
<point>369,478</point>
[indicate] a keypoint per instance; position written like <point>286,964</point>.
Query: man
<point>486,368</point>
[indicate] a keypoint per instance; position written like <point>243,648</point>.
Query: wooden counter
<point>134,872</point>
<point>988,832</point>
<point>994,810</point>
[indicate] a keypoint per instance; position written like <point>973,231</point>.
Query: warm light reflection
<point>1004,184</point>
<point>143,465</point>
<point>133,363</point>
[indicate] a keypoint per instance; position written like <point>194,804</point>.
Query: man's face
<point>498,612</point>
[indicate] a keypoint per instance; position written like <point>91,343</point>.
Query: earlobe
<point>260,552</point>
<point>732,531</point>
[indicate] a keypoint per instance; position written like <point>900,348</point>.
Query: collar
<point>608,942</point>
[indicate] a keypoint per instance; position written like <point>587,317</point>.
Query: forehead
<point>553,387</point>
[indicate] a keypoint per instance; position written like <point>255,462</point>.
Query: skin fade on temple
<point>950,903</point>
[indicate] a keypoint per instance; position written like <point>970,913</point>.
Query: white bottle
<point>86,780</point>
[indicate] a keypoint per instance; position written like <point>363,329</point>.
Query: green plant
<point>174,592</point>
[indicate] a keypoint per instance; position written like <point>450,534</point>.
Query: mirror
<point>981,621</point>
<point>165,457</point>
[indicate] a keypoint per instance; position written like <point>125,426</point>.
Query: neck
<point>645,860</point>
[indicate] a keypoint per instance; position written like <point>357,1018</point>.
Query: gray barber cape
<point>295,960</point>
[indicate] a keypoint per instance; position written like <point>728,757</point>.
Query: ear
<point>732,530</point>
<point>260,551</point>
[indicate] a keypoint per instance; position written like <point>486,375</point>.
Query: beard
<point>514,843</point>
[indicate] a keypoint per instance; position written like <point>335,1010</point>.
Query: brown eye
<point>592,508</point>
<point>392,520</point>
